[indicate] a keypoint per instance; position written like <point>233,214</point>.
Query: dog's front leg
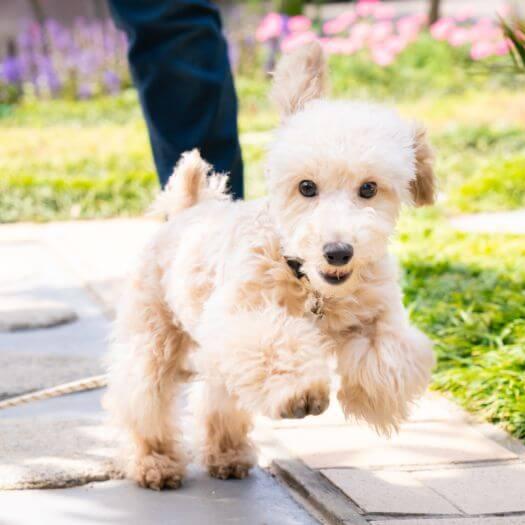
<point>270,362</point>
<point>383,369</point>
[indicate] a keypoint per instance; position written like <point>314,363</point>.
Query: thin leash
<point>80,385</point>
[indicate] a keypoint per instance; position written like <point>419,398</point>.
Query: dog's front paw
<point>311,402</point>
<point>158,471</point>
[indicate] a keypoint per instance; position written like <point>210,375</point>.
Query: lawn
<point>467,292</point>
<point>79,159</point>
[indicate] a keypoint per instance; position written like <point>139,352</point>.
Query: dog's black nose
<point>337,253</point>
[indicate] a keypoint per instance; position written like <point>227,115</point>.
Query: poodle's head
<point>338,173</point>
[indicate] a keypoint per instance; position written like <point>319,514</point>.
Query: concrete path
<point>72,447</point>
<point>512,222</point>
<point>443,467</point>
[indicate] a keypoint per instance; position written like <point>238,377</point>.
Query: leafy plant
<point>514,30</point>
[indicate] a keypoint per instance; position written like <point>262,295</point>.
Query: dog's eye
<point>368,190</point>
<point>308,188</point>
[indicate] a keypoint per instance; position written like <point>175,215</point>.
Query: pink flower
<point>339,46</point>
<point>409,27</point>
<point>484,30</point>
<point>395,45</point>
<point>459,37</point>
<point>296,40</point>
<point>442,29</point>
<point>502,47</point>
<point>365,8</point>
<point>481,50</point>
<point>381,30</point>
<point>384,12</point>
<point>360,31</point>
<point>271,26</point>
<point>298,24</point>
<point>339,24</point>
<point>382,57</point>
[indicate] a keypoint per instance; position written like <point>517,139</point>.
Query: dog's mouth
<point>336,277</point>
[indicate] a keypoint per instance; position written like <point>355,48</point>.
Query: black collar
<point>295,265</point>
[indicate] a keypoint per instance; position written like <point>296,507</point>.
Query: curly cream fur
<point>213,292</point>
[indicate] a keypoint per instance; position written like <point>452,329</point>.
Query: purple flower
<point>111,82</point>
<point>84,91</point>
<point>11,71</point>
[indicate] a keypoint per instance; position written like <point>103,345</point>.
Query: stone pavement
<point>443,468</point>
<point>63,442</point>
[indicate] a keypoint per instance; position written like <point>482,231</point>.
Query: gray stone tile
<point>26,314</point>
<point>28,371</point>
<point>418,443</point>
<point>256,500</point>
<point>389,491</point>
<point>37,358</point>
<point>480,490</point>
<point>54,452</point>
<point>102,252</point>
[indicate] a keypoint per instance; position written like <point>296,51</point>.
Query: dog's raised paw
<point>158,471</point>
<point>229,470</point>
<point>311,402</point>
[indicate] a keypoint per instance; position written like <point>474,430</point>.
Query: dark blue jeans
<point>179,63</point>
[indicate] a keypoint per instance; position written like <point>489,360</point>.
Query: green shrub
<point>499,185</point>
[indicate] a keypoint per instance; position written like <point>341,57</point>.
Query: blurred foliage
<point>466,292</point>
<point>497,185</point>
<point>514,30</point>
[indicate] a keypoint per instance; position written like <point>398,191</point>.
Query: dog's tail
<point>190,184</point>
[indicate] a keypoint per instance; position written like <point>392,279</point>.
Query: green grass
<point>499,184</point>
<point>467,292</point>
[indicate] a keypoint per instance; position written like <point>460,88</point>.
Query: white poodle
<point>256,297</point>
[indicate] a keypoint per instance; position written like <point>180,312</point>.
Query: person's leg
<point>179,62</point>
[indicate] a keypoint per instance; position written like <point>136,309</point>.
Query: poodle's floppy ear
<point>423,187</point>
<point>300,76</point>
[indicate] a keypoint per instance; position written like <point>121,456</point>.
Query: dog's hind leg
<point>146,371</point>
<point>227,452</point>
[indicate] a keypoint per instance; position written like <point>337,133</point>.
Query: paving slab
<point>23,314</point>
<point>33,275</point>
<point>430,408</point>
<point>63,441</point>
<point>256,500</point>
<point>352,445</point>
<point>480,490</point>
<point>25,372</point>
<point>508,520</point>
<point>389,492</point>
<point>46,452</point>
<point>102,252</point>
